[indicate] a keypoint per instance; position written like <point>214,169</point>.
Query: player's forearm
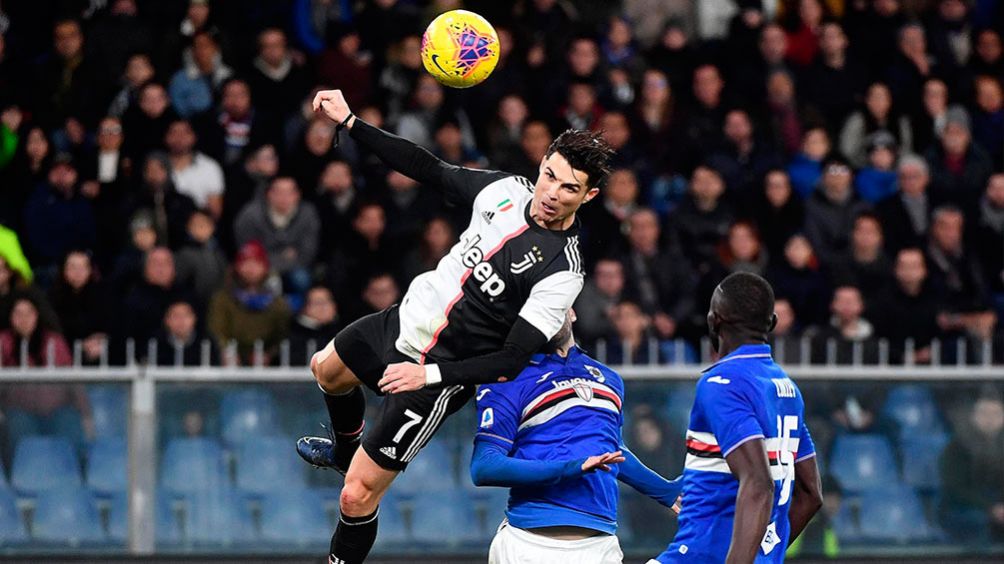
<point>807,497</point>
<point>753,505</point>
<point>492,467</point>
<point>803,508</point>
<point>646,481</point>
<point>398,153</point>
<point>505,364</point>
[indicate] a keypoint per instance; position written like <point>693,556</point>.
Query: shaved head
<point>742,303</point>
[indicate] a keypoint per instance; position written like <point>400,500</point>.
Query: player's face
<point>559,192</point>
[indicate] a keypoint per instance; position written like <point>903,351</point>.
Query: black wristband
<point>340,127</point>
<point>345,122</point>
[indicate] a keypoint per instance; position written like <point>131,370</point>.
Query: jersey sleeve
<point>729,411</point>
<point>806,448</point>
<point>498,415</point>
<point>550,299</point>
<point>460,185</point>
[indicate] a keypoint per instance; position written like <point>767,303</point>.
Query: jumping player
<point>498,296</point>
<point>750,481</point>
<point>539,435</point>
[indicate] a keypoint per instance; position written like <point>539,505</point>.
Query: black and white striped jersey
<point>505,265</point>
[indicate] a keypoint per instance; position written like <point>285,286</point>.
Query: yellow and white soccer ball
<point>460,49</point>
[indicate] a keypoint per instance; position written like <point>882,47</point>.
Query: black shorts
<point>405,421</point>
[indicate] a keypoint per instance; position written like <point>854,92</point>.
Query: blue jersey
<point>744,396</point>
<point>558,409</point>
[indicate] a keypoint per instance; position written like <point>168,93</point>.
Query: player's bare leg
<point>365,484</point>
<point>346,407</point>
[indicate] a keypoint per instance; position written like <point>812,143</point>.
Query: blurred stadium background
<point>160,293</point>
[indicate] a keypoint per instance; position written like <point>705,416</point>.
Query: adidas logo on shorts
<point>390,452</point>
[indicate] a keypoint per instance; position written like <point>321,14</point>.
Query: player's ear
<point>590,194</point>
<point>773,322</point>
<point>714,323</point>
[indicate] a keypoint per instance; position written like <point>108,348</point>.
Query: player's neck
<point>729,343</point>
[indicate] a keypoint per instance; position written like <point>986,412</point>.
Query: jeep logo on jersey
<point>483,272</point>
<point>532,257</point>
<point>584,391</point>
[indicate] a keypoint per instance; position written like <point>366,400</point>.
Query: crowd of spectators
<point>162,175</point>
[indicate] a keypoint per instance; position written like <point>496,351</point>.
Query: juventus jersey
<point>504,266</point>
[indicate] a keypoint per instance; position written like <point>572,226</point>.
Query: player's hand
<point>402,377</point>
<point>678,504</point>
<point>332,103</point>
<point>602,461</point>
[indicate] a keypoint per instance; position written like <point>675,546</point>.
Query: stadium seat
<point>118,518</point>
<point>44,463</point>
<point>247,413</point>
<point>12,530</point>
<point>912,409</point>
<point>110,409</point>
<point>193,465</point>
<point>862,462</point>
<point>431,470</point>
<point>167,530</point>
<point>443,519</point>
<point>67,516</point>
<point>894,514</point>
<point>846,526</point>
<point>217,517</point>
<point>166,527</point>
<point>107,466</point>
<point>295,516</point>
<point>921,460</point>
<point>267,463</point>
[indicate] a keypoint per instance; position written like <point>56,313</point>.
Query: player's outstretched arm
<point>491,465</point>
<point>807,497</point>
<point>749,465</point>
<point>648,482</point>
<point>462,184</point>
<point>523,341</point>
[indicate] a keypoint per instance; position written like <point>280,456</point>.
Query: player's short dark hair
<point>586,151</point>
<point>747,301</point>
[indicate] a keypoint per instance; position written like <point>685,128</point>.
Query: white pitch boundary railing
<point>144,378</point>
<point>789,351</point>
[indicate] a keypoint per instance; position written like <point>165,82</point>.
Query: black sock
<point>353,538</point>
<point>346,412</point>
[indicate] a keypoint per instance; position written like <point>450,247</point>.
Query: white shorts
<point>517,546</point>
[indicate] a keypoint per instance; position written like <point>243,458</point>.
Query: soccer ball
<point>460,49</point>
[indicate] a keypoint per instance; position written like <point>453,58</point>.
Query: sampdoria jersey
<point>558,409</point>
<point>744,396</point>
<point>504,266</point>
